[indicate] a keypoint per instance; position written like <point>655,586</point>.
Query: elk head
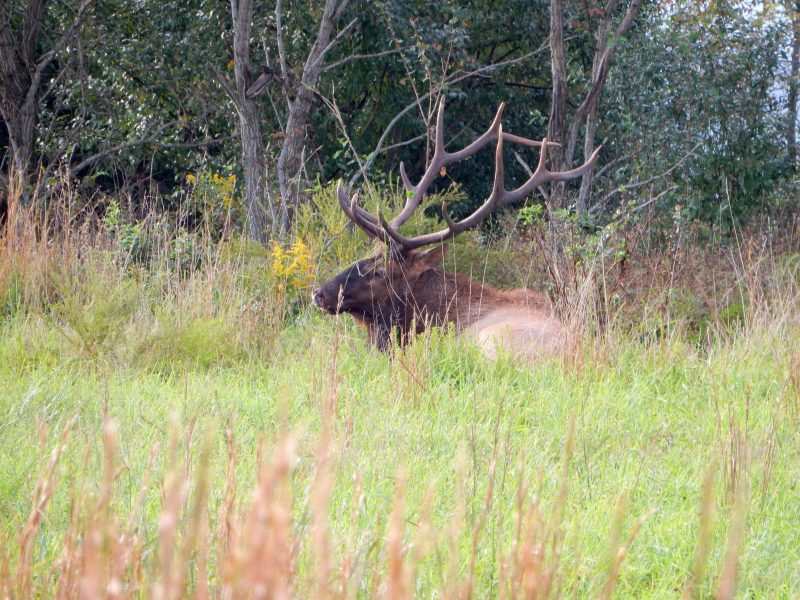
<point>396,287</point>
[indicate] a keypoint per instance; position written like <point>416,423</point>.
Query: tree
<point>250,134</point>
<point>290,159</point>
<point>32,40</point>
<point>793,11</point>
<point>597,21</point>
<point>299,98</point>
<point>696,88</point>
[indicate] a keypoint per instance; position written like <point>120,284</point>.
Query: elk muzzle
<point>323,299</point>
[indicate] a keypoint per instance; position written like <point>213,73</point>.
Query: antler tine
<point>392,232</point>
<point>543,175</point>
<point>499,167</point>
<point>488,136</point>
<point>366,221</point>
<point>438,144</point>
<point>418,191</point>
<point>498,191</point>
<point>510,137</point>
<point>404,176</point>
<point>451,225</point>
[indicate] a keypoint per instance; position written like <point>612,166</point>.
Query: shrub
<point>94,309</point>
<point>196,343</point>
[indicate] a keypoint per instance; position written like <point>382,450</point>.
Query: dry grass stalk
<point>704,537</point>
<point>617,552</point>
<point>257,545</point>
<point>41,497</point>
<point>726,586</point>
<point>531,569</point>
<point>397,582</point>
<point>794,383</point>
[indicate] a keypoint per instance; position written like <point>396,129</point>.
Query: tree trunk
<point>794,82</point>
<point>19,93</point>
<point>291,157</point>
<point>20,119</point>
<point>588,110</point>
<point>558,104</point>
<point>591,117</point>
<point>254,168</point>
<point>253,157</point>
<point>21,71</point>
<point>588,148</point>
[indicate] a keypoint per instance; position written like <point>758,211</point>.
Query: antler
<point>386,231</point>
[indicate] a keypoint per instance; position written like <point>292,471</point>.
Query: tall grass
<point>177,422</point>
<point>263,543</point>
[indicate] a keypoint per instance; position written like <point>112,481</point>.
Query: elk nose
<point>316,297</point>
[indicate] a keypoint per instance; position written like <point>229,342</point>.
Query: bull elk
<point>401,290</point>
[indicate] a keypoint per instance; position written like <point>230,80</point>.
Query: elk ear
<point>430,259</point>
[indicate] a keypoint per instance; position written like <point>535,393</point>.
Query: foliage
<point>93,316</point>
<point>136,101</point>
<point>213,200</point>
<point>689,86</point>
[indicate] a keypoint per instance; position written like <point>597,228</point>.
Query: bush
<point>197,343</point>
<point>94,309</point>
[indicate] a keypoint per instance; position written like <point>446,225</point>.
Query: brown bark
<point>601,65</point>
<point>21,72</point>
<point>591,117</point>
<point>253,156</point>
<point>587,111</point>
<point>18,100</point>
<point>291,156</point>
<point>794,83</point>
<point>558,104</point>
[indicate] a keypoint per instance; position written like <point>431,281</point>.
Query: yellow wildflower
<point>294,266</point>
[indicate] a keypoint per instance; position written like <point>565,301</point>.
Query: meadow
<point>177,421</point>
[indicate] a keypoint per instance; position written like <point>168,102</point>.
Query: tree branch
<point>226,87</point>
<point>452,79</point>
<point>321,58</point>
<point>123,146</point>
<point>45,60</point>
<point>605,61</point>
<point>610,165</point>
<point>353,57</point>
<point>656,198</point>
<point>279,40</point>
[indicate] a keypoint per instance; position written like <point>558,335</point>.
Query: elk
<point>401,290</point>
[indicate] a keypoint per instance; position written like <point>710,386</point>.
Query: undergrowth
<point>178,421</point>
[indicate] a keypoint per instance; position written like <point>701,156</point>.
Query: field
<point>170,431</point>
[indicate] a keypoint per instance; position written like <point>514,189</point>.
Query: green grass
<point>650,420</point>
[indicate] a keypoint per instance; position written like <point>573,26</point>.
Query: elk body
<point>402,290</point>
